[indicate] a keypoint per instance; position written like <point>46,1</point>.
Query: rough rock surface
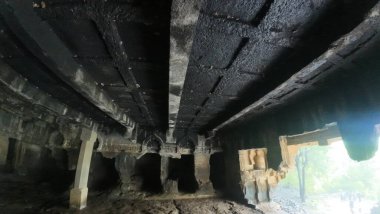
<point>40,197</point>
<point>204,206</point>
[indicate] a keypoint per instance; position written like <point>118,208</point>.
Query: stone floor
<point>20,195</point>
<point>187,206</point>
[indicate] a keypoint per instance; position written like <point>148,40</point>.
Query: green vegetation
<point>330,170</point>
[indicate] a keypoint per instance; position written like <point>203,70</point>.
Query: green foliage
<point>330,170</point>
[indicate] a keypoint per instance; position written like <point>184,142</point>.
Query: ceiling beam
<point>116,47</point>
<point>16,83</point>
<point>184,17</point>
<point>40,39</point>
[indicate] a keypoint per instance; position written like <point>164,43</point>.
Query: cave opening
<point>186,178</point>
<point>148,167</point>
<point>54,169</point>
<point>174,167</point>
<point>217,171</point>
<point>11,154</point>
<point>104,175</point>
<point>176,106</point>
<point>327,173</point>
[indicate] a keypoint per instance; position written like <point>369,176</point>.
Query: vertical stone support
<point>202,171</point>
<point>164,170</point>
<point>78,195</point>
<point>254,175</point>
<point>19,164</point>
<point>169,186</point>
<point>202,166</point>
<point>284,150</point>
<point>130,183</point>
<point>261,159</point>
<point>4,143</point>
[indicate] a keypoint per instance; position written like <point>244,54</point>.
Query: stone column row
<point>201,172</point>
<point>126,166</point>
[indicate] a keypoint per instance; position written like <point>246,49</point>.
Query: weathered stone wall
<point>39,164</point>
<point>349,97</point>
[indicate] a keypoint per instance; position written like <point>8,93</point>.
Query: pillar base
<point>78,198</point>
<point>170,187</point>
<point>205,187</point>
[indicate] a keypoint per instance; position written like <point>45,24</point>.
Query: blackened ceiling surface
<point>244,49</point>
<point>241,50</point>
<point>16,55</point>
<point>122,45</point>
<point>134,74</point>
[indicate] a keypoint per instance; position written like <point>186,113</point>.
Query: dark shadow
<point>217,171</point>
<point>174,168</point>
<point>186,178</point>
<point>149,168</point>
<point>11,155</point>
<point>104,175</point>
<point>53,169</point>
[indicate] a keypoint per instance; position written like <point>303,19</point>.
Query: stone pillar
<point>260,159</point>
<point>169,186</point>
<point>202,166</point>
<point>246,159</point>
<point>254,175</point>
<point>4,143</point>
<point>78,195</point>
<point>202,171</point>
<point>19,165</point>
<point>130,183</point>
<point>164,170</point>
